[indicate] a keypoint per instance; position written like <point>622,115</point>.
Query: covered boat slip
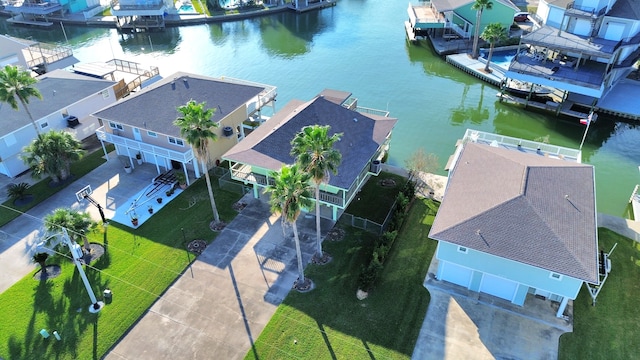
<point>32,13</point>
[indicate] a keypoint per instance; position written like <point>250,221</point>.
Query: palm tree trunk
<point>318,239</point>
<point>26,108</point>
<point>474,53</point>
<point>298,252</point>
<point>486,68</point>
<point>216,216</point>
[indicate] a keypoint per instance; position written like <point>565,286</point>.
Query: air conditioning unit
<point>375,166</point>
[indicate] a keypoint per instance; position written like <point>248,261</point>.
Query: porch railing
<point>138,146</point>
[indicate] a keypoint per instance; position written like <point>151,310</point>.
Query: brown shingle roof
<point>523,207</point>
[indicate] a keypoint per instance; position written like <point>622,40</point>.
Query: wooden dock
<point>410,33</point>
<point>311,6</point>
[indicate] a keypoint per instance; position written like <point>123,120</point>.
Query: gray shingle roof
<point>154,108</point>
<point>59,89</point>
<point>270,144</point>
<point>626,9</point>
<point>523,207</point>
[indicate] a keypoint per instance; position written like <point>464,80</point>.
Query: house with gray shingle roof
<point>142,123</point>
<point>518,220</point>
<point>64,94</point>
<point>366,134</point>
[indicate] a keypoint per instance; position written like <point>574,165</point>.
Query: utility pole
<point>76,252</point>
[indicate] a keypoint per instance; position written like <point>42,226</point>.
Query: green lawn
<point>137,266</point>
<point>42,190</point>
<point>329,322</point>
<point>374,201</point>
<point>609,330</point>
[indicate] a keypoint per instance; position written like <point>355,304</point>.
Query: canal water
<point>360,46</point>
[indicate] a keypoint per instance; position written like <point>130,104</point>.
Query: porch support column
<point>155,158</point>
<point>130,158</point>
<point>104,149</point>
<point>196,168</point>
<point>563,305</point>
<point>186,174</point>
<point>256,191</point>
<point>334,213</point>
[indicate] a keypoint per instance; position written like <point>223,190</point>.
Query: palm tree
<point>479,6</point>
<point>314,152</point>
<point>17,85</point>
<point>289,195</point>
<point>492,34</point>
<point>52,154</point>
<point>77,224</point>
<point>196,127</point>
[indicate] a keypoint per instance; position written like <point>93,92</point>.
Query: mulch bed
<point>217,226</point>
<point>335,234</point>
<point>303,286</point>
<point>197,246</point>
<point>94,253</point>
<point>238,206</point>
<point>387,183</point>
<point>325,259</point>
<point>23,200</point>
<point>53,271</point>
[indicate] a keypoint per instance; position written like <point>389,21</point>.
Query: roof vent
<point>227,131</point>
<point>54,93</point>
<point>355,119</point>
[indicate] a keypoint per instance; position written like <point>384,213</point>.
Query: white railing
<point>532,146</point>
<point>366,110</point>
<point>138,146</point>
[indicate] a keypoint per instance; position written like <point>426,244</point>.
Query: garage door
<point>456,274</point>
<point>498,286</point>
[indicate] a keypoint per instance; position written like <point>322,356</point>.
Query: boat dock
<point>476,67</point>
<point>308,6</point>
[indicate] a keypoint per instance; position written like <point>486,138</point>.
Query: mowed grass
<point>42,190</point>
<point>374,200</point>
<point>331,323</point>
<point>138,266</point>
<point>611,329</point>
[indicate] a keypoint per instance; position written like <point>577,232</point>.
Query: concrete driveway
<point>461,324</point>
<point>219,306</point>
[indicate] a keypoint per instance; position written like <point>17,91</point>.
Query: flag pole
<point>584,136</point>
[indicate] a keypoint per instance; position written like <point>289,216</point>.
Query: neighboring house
<point>583,47</point>
<point>455,18</point>
<point>518,219</point>
<point>142,123</point>
<point>141,14</point>
<point>64,94</point>
<point>38,12</point>
<point>33,55</point>
<point>365,141</point>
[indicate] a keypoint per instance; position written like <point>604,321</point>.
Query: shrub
<point>17,191</point>
<point>409,189</point>
<point>369,275</point>
<point>388,238</point>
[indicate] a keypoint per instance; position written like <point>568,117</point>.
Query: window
<point>105,94</point>
<point>462,249</point>
<point>44,125</point>
<point>152,134</point>
<point>115,126</point>
<point>175,141</point>
<point>555,276</point>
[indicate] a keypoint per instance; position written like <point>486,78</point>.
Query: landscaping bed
<point>376,197</point>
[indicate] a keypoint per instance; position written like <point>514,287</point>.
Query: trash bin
<point>107,296</point>
<point>44,333</point>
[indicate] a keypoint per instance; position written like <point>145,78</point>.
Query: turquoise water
<point>186,9</point>
<point>360,47</point>
<point>500,58</point>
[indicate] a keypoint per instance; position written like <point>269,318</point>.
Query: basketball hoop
<point>83,193</point>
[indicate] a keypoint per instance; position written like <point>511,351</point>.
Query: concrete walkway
<point>219,306</point>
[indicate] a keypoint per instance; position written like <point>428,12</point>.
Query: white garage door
<point>456,274</point>
<point>498,286</point>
